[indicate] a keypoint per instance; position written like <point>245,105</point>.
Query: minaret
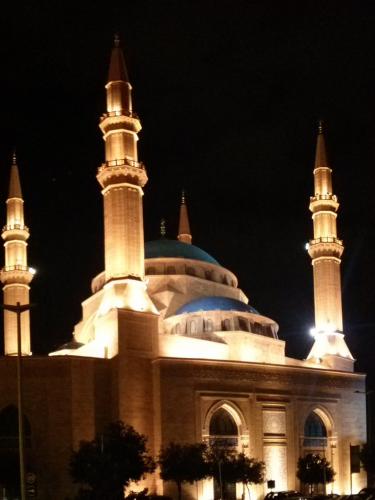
<point>16,275</point>
<point>325,251</point>
<point>122,178</point>
<point>184,233</point>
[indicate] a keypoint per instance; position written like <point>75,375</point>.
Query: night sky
<point>229,94</point>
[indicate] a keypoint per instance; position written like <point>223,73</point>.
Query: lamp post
<point>19,309</point>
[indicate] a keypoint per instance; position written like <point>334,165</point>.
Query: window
<point>171,270</point>
<point>9,429</point>
<point>193,327</point>
<point>190,270</point>
<point>315,432</point>
<point>243,324</point>
<point>223,434</point>
<point>208,275</point>
<point>226,325</point>
<point>208,325</point>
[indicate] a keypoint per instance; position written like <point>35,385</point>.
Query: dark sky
<point>229,93</point>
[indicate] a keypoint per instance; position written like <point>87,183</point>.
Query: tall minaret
<point>16,275</point>
<point>122,178</point>
<point>325,251</point>
<point>184,233</point>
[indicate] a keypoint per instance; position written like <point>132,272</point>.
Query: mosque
<point>169,343</point>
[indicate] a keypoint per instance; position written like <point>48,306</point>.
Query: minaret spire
<point>16,275</point>
<point>325,250</point>
<point>14,184</point>
<point>184,233</point>
<point>122,178</point>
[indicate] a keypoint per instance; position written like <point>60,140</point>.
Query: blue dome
<point>216,304</point>
<point>177,249</point>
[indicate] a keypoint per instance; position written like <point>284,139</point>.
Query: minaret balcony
<point>15,231</point>
<point>325,246</point>
<point>114,120</point>
<point>17,274</point>
<point>122,170</point>
<point>321,202</point>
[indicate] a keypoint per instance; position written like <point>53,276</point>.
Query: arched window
<point>208,275</point>
<point>315,433</point>
<point>208,325</point>
<point>190,270</point>
<point>9,429</point>
<point>226,325</point>
<point>223,435</point>
<point>243,324</point>
<point>223,429</point>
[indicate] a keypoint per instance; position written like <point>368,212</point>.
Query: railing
<point>326,239</point>
<point>315,442</point>
<point>17,267</point>
<point>319,197</point>
<point>119,112</point>
<point>123,161</point>
<point>10,227</point>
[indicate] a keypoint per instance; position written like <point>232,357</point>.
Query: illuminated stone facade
<point>169,343</point>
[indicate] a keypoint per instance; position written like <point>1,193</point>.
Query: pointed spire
<point>321,152</point>
<point>117,66</point>
<point>163,230</point>
<point>184,233</point>
<point>14,183</point>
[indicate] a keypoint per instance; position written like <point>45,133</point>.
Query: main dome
<point>176,249</point>
<point>215,304</point>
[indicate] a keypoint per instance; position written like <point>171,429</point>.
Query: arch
<point>224,425</point>
<point>193,327</point>
<point>191,271</point>
<point>317,429</point>
<point>323,414</point>
<point>234,412</point>
<point>9,428</point>
<point>208,325</point>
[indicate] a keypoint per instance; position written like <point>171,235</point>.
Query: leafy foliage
<point>110,462</point>
<point>227,465</point>
<point>183,463</point>
<point>141,495</point>
<point>313,469</point>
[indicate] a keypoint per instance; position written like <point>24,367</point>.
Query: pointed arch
<point>234,412</point>
<point>9,428</point>
<point>317,429</point>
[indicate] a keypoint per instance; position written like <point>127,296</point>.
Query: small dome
<point>216,304</point>
<point>176,249</point>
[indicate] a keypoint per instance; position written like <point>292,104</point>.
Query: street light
<point>19,309</point>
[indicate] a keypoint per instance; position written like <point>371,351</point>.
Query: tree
<point>106,465</point>
<point>183,463</point>
<point>313,469</point>
<point>367,456</point>
<point>247,470</point>
<point>229,467</point>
